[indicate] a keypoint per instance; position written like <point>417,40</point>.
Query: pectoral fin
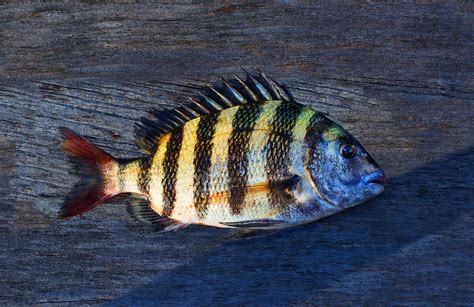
<point>282,187</point>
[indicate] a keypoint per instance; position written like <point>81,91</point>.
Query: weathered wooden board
<point>400,77</point>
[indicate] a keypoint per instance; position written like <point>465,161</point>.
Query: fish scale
<point>202,162</point>
<point>237,161</point>
<point>260,143</point>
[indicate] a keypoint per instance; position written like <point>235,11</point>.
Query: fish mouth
<point>375,181</point>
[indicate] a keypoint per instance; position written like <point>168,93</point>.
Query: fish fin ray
<point>229,93</point>
<point>139,209</point>
<point>172,227</point>
<point>257,224</point>
<point>92,165</point>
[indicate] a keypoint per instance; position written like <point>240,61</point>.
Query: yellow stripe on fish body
<point>218,173</point>
<point>183,208</point>
<point>257,160</point>
<point>258,206</point>
<point>156,174</point>
<point>128,176</point>
<point>298,147</point>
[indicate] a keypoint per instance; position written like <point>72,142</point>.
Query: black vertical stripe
<point>122,166</point>
<point>312,137</point>
<point>279,144</point>
<point>144,175</point>
<point>202,161</point>
<point>170,169</point>
<point>237,161</point>
<point>318,124</point>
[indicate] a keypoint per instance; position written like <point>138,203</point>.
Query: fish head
<point>342,173</point>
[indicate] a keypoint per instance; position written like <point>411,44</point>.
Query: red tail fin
<point>92,164</point>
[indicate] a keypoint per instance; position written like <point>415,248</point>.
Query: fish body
<point>244,155</point>
<point>224,167</point>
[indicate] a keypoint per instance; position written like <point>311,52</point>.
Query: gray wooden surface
<point>400,77</point>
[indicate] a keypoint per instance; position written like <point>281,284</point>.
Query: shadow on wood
<point>331,261</point>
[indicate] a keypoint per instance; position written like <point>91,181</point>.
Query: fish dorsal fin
<point>229,93</point>
<point>149,131</point>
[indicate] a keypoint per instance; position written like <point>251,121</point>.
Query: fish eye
<point>348,150</point>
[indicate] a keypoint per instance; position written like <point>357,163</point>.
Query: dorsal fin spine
<point>256,88</point>
<point>260,88</point>
<point>171,115</point>
<point>269,84</point>
<point>184,116</point>
<point>281,91</point>
<point>234,93</point>
<point>227,103</point>
<point>198,107</point>
<point>211,103</point>
<point>248,91</point>
<point>190,112</point>
<point>165,120</point>
<point>147,122</point>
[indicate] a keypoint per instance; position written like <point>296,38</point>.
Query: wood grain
<point>398,76</point>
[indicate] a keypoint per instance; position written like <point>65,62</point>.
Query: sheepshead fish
<point>243,154</point>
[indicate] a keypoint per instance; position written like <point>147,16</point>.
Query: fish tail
<point>98,171</point>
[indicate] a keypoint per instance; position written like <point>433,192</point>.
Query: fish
<point>242,154</point>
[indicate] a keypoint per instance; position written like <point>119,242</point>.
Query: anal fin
<point>257,224</point>
<point>255,228</point>
<point>172,227</point>
<point>140,209</point>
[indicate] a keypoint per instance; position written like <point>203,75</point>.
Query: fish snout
<point>377,177</point>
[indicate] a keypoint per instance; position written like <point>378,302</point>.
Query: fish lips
<point>375,181</point>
